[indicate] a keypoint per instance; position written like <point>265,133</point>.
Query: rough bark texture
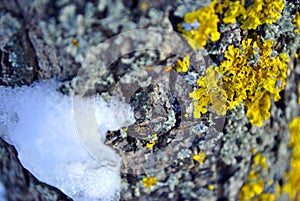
<point>46,39</point>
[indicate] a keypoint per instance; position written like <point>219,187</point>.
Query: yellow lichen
<point>231,10</point>
<point>251,190</point>
<point>254,84</point>
<point>209,92</point>
<point>75,42</point>
<point>182,65</point>
<point>211,187</point>
<point>200,157</point>
<point>262,12</point>
<point>254,186</point>
<point>149,181</point>
<point>258,109</point>
<point>260,160</point>
<point>151,141</point>
<point>150,144</point>
<point>266,197</point>
<point>296,22</point>
<point>292,186</point>
<point>144,5</point>
<point>257,13</point>
<point>203,24</point>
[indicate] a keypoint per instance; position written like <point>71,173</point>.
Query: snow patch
<point>39,121</point>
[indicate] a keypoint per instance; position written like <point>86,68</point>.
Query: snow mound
<point>39,121</point>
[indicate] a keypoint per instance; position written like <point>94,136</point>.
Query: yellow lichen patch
<point>298,90</point>
<point>209,92</point>
<point>253,83</point>
<point>261,12</point>
<point>231,10</point>
<point>258,109</point>
<point>182,65</point>
<point>144,6</point>
<point>151,141</point>
<point>260,160</point>
<point>140,128</point>
<point>253,187</point>
<point>75,42</point>
<point>294,128</point>
<point>292,186</point>
<point>211,187</point>
<point>251,190</point>
<point>252,175</point>
<point>125,129</point>
<point>296,22</point>
<point>252,150</point>
<point>256,83</point>
<point>150,144</point>
<point>149,181</point>
<point>200,25</point>
<point>202,101</point>
<point>266,197</point>
<point>200,157</point>
<point>257,13</point>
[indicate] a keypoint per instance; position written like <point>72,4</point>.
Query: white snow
<point>45,126</point>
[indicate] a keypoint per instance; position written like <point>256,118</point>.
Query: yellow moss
<point>149,181</point>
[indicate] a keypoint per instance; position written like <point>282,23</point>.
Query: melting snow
<point>39,121</point>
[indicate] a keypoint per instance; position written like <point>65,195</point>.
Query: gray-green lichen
<point>8,27</point>
<point>58,39</point>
